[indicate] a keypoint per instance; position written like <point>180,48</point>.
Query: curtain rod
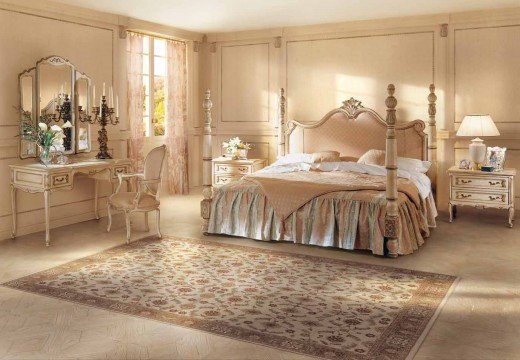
<point>165,37</point>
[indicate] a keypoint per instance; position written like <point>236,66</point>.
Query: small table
<point>482,189</point>
<point>38,178</point>
<point>227,170</point>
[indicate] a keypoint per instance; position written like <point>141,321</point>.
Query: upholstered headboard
<point>352,130</point>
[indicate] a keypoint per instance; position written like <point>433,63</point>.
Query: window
<point>154,85</point>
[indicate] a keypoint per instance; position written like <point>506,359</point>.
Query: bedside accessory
<point>496,157</point>
<point>464,164</point>
<point>481,189</point>
<point>477,125</point>
<point>227,170</point>
<point>487,168</point>
<point>103,115</point>
<point>236,148</point>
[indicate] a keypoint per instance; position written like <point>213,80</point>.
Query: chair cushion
<point>124,200</point>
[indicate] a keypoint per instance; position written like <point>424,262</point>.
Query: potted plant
<point>236,148</point>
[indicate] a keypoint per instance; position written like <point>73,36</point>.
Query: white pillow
<point>293,158</point>
<point>416,165</point>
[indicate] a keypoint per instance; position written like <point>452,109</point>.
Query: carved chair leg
<point>109,212</point>
<point>146,226</point>
<point>158,222</point>
<point>128,226</point>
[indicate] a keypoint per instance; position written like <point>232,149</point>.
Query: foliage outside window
<point>154,77</point>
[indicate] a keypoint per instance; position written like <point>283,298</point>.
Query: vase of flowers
<point>236,148</point>
<point>45,137</point>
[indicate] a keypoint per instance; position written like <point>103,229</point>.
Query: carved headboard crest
<point>351,106</point>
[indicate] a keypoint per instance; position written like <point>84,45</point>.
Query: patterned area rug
<point>311,305</point>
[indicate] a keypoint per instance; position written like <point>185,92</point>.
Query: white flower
<point>43,126</point>
<point>225,144</point>
<point>57,141</point>
<point>66,125</point>
<point>55,128</point>
<point>60,135</point>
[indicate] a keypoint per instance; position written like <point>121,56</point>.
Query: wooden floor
<point>481,319</point>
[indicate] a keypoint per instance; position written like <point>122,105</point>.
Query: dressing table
<point>38,178</point>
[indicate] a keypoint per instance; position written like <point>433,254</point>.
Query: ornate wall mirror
<point>83,102</point>
<point>27,81</point>
<point>50,93</point>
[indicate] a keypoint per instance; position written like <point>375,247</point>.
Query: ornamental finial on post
<point>391,103</point>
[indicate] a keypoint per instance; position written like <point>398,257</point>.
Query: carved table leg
<point>13,209</point>
<point>511,216</point>
<point>453,211</point>
<point>96,193</point>
<point>46,196</point>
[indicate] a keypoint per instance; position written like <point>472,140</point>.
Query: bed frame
<point>371,132</point>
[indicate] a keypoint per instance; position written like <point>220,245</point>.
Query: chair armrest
<point>120,178</point>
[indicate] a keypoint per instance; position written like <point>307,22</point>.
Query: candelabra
<point>103,115</point>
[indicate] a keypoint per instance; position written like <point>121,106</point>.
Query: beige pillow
<point>348,158</point>
<point>325,156</point>
<point>373,157</point>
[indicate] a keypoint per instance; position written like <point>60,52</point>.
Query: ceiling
<point>209,16</point>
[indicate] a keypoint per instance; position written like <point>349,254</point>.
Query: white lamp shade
<point>477,125</point>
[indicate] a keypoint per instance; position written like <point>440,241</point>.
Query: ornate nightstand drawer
<point>59,180</point>
<point>484,197</point>
<point>485,182</point>
<point>233,169</point>
<point>225,179</point>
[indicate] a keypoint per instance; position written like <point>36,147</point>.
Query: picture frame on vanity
<point>464,164</point>
<point>496,157</point>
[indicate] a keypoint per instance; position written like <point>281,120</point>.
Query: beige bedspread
<point>304,186</point>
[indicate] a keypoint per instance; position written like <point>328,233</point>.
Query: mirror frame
<point>32,74</point>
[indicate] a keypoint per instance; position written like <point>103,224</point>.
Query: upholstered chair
<point>146,198</point>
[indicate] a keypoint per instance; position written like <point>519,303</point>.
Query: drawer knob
<point>492,183</point>
<point>493,198</point>
<point>464,196</point>
<point>464,181</point>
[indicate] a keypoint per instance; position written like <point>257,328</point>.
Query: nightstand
<point>226,170</point>
<point>482,189</point>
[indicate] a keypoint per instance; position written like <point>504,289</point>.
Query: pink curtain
<point>176,127</point>
<point>134,48</point>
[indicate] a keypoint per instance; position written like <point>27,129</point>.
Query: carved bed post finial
<point>432,129</point>
<point>281,123</point>
<point>392,215</point>
<point>207,190</point>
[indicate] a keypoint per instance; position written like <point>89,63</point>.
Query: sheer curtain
<point>176,127</point>
<point>134,48</point>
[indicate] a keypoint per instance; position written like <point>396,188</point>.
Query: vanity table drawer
<point>484,197</point>
<point>233,169</point>
<point>485,182</point>
<point>59,180</point>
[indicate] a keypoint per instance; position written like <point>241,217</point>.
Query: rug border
<point>109,252</point>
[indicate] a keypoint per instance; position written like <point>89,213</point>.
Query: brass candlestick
<point>103,115</point>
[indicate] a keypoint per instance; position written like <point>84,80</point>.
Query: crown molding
<point>158,29</point>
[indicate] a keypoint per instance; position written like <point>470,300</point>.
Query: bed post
<point>281,123</point>
<point>392,214</point>
<point>432,132</point>
<point>207,190</point>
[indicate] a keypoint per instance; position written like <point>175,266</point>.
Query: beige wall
<point>475,69</point>
<point>32,30</point>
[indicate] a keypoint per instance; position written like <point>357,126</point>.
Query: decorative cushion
<point>325,156</point>
<point>124,200</point>
<point>373,157</point>
<point>348,158</point>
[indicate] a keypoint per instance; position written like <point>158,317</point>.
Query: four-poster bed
<point>366,203</point>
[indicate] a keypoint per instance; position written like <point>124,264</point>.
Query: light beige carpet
<point>312,305</point>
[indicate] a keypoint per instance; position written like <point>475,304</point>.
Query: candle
<point>103,89</point>
<point>117,106</point>
<point>94,94</point>
<point>61,89</point>
<point>54,103</point>
<point>100,106</point>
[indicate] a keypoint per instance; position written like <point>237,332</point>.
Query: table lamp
<point>477,125</point>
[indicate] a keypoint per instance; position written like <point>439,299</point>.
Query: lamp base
<point>477,152</point>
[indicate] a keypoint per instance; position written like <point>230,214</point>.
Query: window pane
<point>146,64</point>
<point>159,106</point>
<point>146,106</point>
<point>146,122</point>
<point>159,47</point>
<point>146,84</point>
<point>146,44</point>
<point>159,66</point>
